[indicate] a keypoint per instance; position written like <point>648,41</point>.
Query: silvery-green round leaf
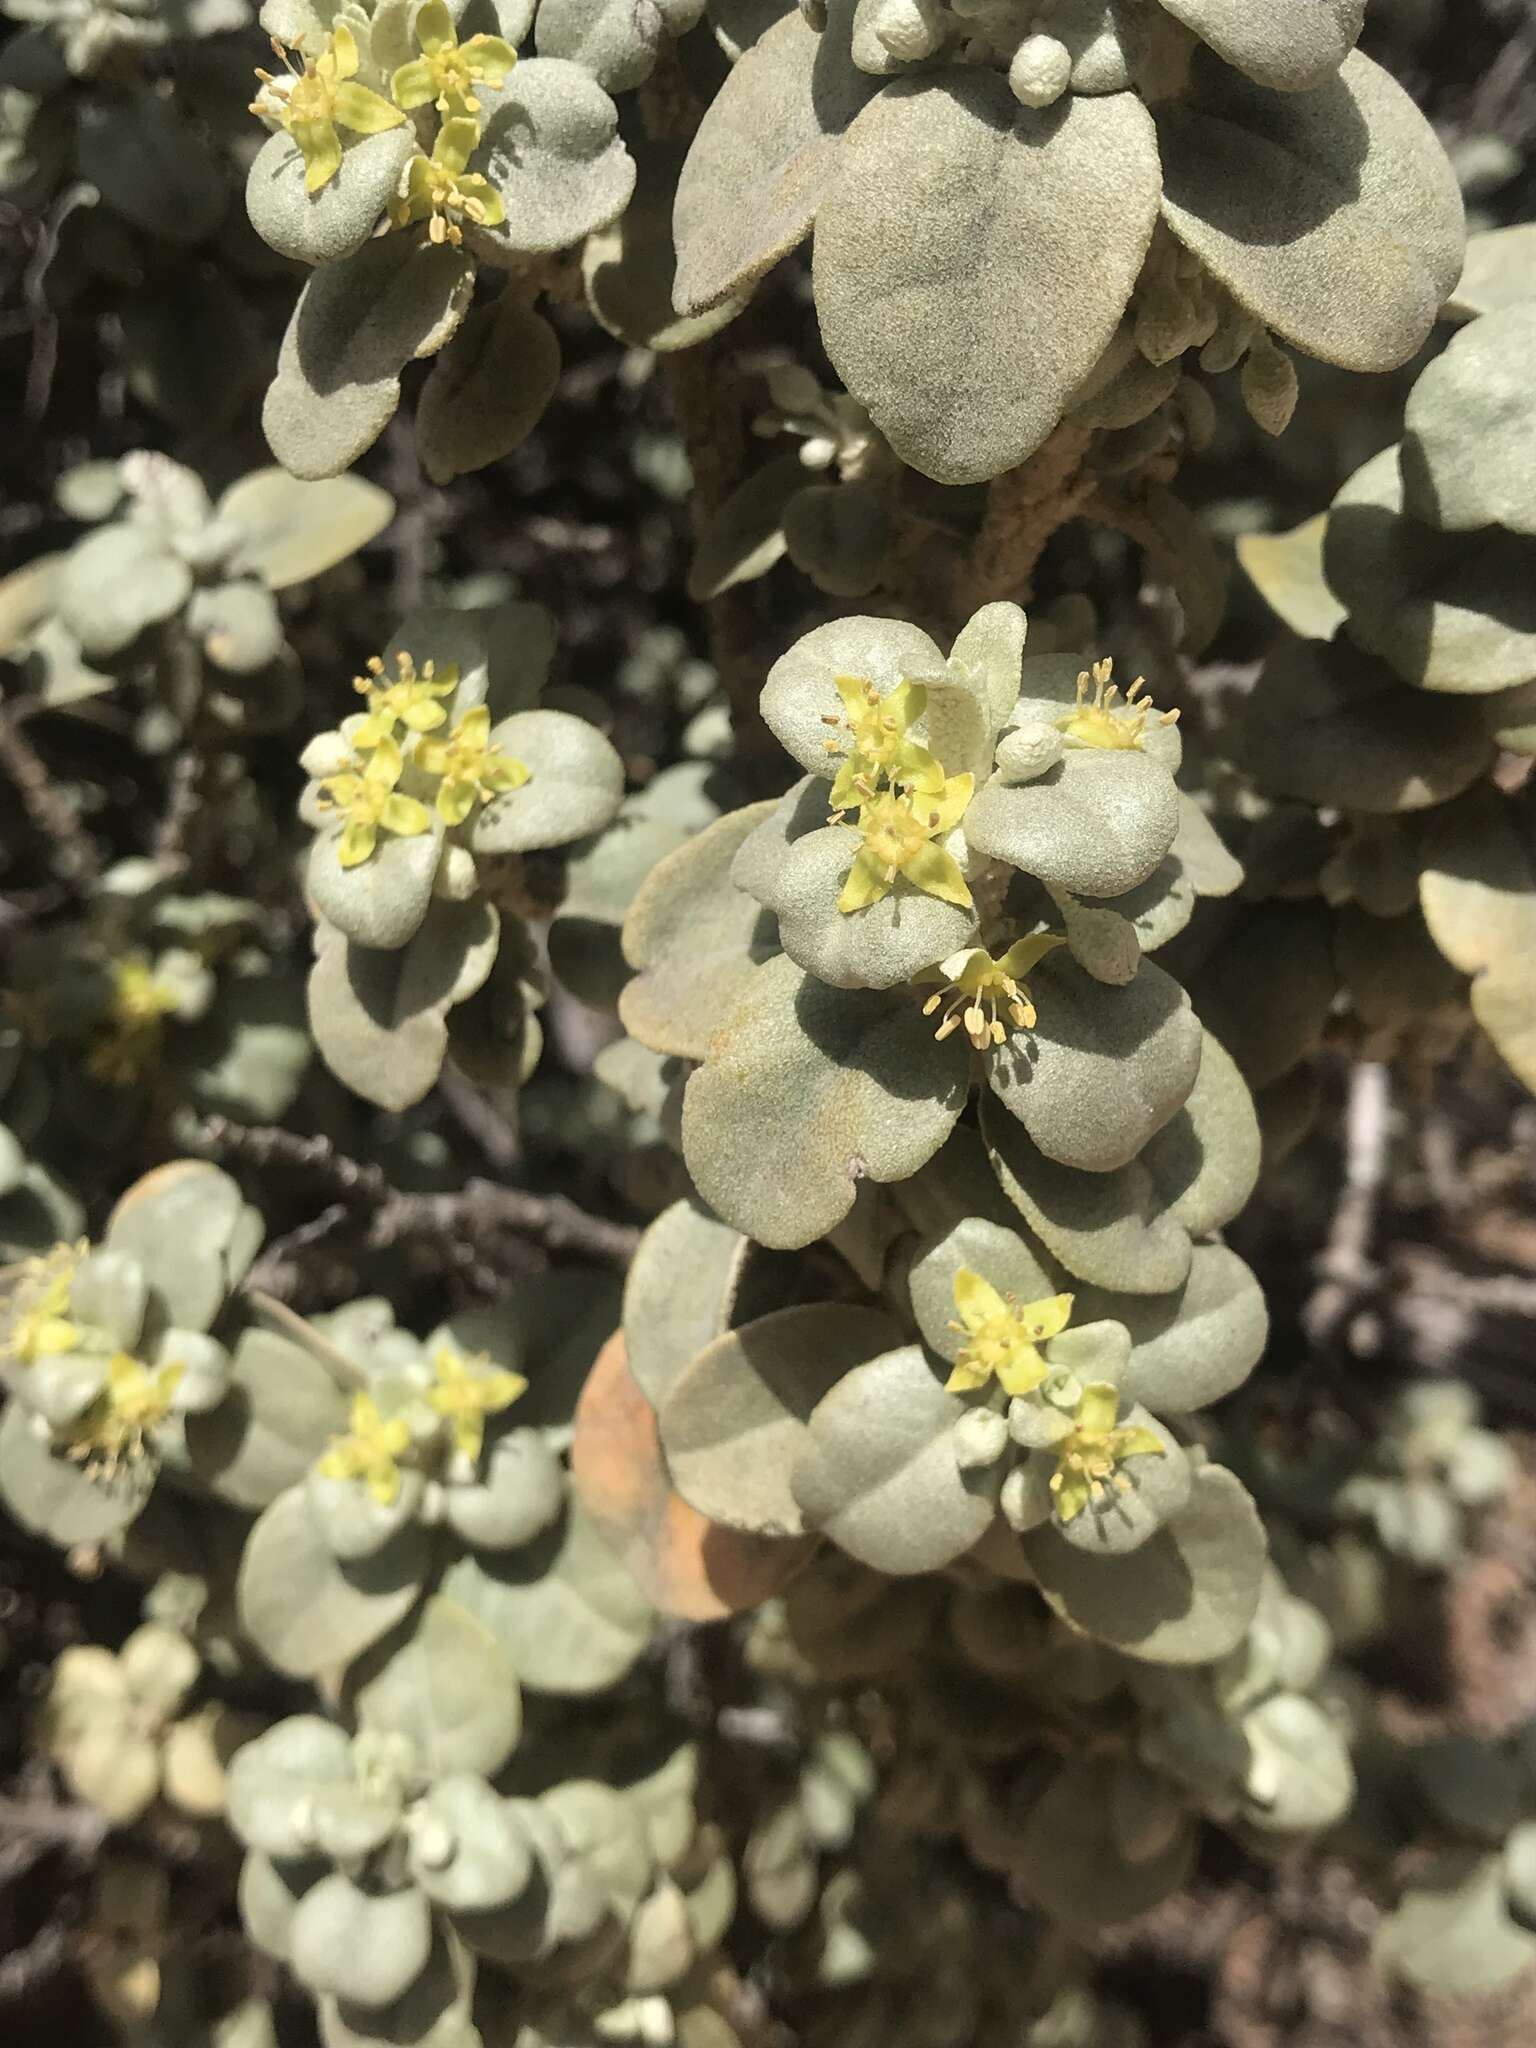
<point>1015,1268</point>
<point>615,40</point>
<point>694,940</point>
<point>1500,271</point>
<point>1478,891</point>
<point>1287,571</point>
<point>1520,1869</point>
<point>274,1781</point>
<point>1102,1069</point>
<point>1469,452</point>
<point>490,1862</point>
<point>502,652</point>
<point>283,1408</point>
<point>355,327</point>
<point>1451,1931</point>
<point>564,1609</point>
<point>1205,1159</point>
<point>575,784</point>
<point>1450,612</point>
<point>743,538</point>
<point>51,1495</point>
<point>988,654</point>
<point>287,532</point>
<point>107,1295</point>
<point>1098,823</point>
<point>119,580</point>
<point>444,1682</point>
<point>238,625</point>
<point>435,2011</point>
<point>629,267</point>
<point>352,1523</point>
<point>1185,1597</point>
<point>205,1369</point>
<point>1158,1489</point>
<point>487,390</point>
<point>267,1895</point>
<point>1202,854</point>
<point>965,318</point>
<point>888,942</point>
<point>325,226</point>
<point>733,1423</point>
<point>763,156</point>
<point>1066,1860</point>
<point>801,691</point>
<point>302,1608</point>
<point>193,1235</point>
<point>679,1293</point>
<point>1333,216</point>
<point>1333,726</point>
<point>839,534</point>
<point>807,1091</point>
<point>379,1018</point>
<point>1292,52</point>
<point>368,1947</point>
<point>1112,1229</point>
<point>1155,913</point>
<point>1195,1344</point>
<point>61,1387</point>
<point>877,1471</point>
<point>551,147</point>
<point>150,164</point>
<point>519,1493</point>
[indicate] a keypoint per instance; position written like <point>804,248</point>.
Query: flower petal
<point>936,873</point>
<point>976,1299</point>
<point>413,85</point>
<point>1022,1371</point>
<point>357,844</point>
<point>405,816</point>
<point>365,112</point>
<point>321,150</point>
<point>1097,1410</point>
<point>434,28</point>
<point>866,883</point>
<point>1047,1319</point>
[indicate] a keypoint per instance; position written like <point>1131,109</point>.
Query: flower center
<point>1096,722</point>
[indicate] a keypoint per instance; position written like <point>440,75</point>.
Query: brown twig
<point>473,1216</point>
<point>75,858</point>
<point>1025,507</point>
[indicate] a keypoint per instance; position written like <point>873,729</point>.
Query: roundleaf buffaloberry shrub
<point>755,1157</point>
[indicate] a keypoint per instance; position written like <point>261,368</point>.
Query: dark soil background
<point>1430,1264</point>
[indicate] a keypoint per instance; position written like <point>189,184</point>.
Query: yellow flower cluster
<point>36,1320</point>
<point>132,1025</point>
<point>1095,722</point>
<point>979,986</point>
<point>464,1393</point>
<point>315,97</point>
<point>1002,1336</point>
<point>1089,1457</point>
<point>117,1427</point>
<point>466,767</point>
<point>904,802</point>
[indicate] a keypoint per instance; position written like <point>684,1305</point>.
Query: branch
<point>53,815</point>
<point>468,1217</point>
<point>1345,1269</point>
<point>1025,507</point>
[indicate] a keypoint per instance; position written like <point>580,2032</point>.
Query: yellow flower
<point>437,186</point>
<point>313,103</point>
<point>1096,722</point>
<point>131,1027</point>
<point>978,986</point>
<point>372,804</point>
<point>411,702</point>
<point>1088,1458</point>
<point>1003,1336</point>
<point>466,1392</point>
<point>878,726</point>
<point>38,1308</point>
<point>370,1451</point>
<point>470,772</point>
<point>116,1428</point>
<point>447,69</point>
<point>898,833</point>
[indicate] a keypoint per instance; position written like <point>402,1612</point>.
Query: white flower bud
<point>1040,72</point>
<point>326,754</point>
<point>980,1438</point>
<point>457,876</point>
<point>909,29</point>
<point>1028,752</point>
